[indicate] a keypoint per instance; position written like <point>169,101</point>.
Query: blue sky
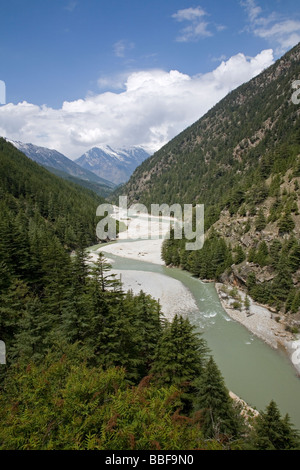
<point>68,64</point>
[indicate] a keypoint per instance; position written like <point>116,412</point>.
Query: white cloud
<point>252,9</point>
<point>153,108</point>
<point>197,27</point>
<point>113,81</point>
<point>121,47</point>
<point>283,32</point>
<point>189,14</point>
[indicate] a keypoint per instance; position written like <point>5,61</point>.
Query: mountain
<point>62,166</point>
<point>102,189</point>
<point>33,201</point>
<point>242,161</point>
<point>219,152</point>
<point>114,164</point>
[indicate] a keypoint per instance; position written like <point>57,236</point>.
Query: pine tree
<point>101,272</point>
<point>294,258</point>
<point>272,432</point>
<point>286,224</point>
<point>180,353</point>
<point>247,303</point>
<point>146,317</point>
<point>262,253</point>
<point>260,222</point>
<point>219,416</point>
<point>239,255</point>
<point>282,283</point>
<point>117,342</point>
<point>32,338</point>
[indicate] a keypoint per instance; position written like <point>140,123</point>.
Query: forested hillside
<point>242,161</point>
<point>89,366</point>
<point>252,133</point>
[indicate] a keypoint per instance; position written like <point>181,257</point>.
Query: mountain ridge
<point>181,171</point>
<point>116,164</point>
<point>64,167</point>
<point>242,161</point>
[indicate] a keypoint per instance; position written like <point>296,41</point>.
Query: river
<point>251,369</point>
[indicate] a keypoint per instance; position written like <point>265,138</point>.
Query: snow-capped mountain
<point>114,164</point>
<point>52,159</point>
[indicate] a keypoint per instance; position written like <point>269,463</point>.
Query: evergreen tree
<point>282,283</point>
<point>272,432</point>
<point>239,255</point>
<point>117,342</point>
<point>219,416</point>
<point>146,318</point>
<point>294,258</point>
<point>286,224</point>
<point>261,256</point>
<point>101,273</point>
<point>179,359</point>
<point>260,222</point>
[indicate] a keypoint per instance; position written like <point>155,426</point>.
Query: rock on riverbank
<point>257,319</point>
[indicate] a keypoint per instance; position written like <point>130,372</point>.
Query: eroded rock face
<point>262,274</point>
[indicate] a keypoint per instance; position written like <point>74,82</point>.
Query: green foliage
<point>260,222</point>
<point>30,195</point>
<point>65,405</point>
<point>92,367</point>
<point>208,263</point>
<point>286,224</point>
<point>237,157</point>
<point>225,158</point>
<point>219,414</point>
<point>272,432</point>
<point>239,255</point>
<point>262,254</point>
<point>180,353</point>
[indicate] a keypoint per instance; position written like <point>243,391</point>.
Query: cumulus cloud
<point>154,106</point>
<point>196,28</point>
<point>285,32</point>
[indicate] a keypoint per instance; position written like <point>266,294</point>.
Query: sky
<point>82,73</point>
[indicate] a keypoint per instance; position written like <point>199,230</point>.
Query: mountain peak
<point>62,166</point>
<point>114,163</point>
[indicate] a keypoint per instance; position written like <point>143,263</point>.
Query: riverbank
<point>176,299</point>
<point>173,296</point>
<point>141,250</point>
<point>257,319</point>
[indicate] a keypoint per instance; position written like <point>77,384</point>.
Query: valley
<point>254,358</point>
<point>133,342</point>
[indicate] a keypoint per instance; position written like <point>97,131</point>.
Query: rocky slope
<point>242,161</point>
<point>220,153</point>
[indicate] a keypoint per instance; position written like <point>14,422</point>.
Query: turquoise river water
<point>251,369</point>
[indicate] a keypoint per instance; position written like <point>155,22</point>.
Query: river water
<point>251,369</point>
